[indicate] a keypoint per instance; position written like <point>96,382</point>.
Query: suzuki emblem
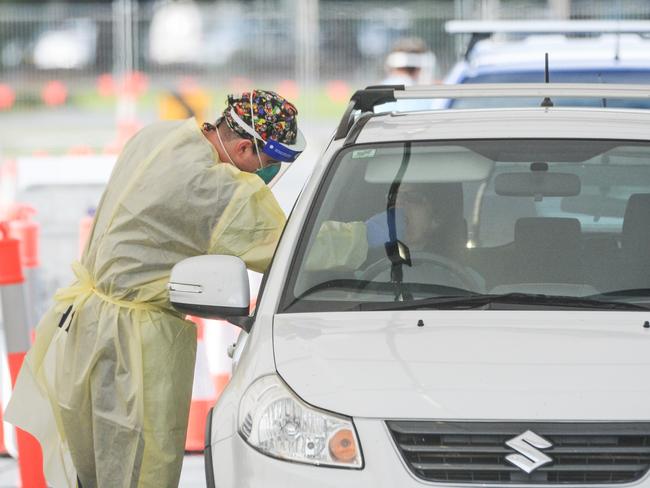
<point>530,457</point>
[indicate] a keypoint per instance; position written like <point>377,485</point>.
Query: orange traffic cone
<point>26,230</point>
<point>203,394</point>
<point>16,330</point>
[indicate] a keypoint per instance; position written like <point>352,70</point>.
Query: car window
<point>559,217</point>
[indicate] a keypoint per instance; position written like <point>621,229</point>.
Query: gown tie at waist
<point>84,287</point>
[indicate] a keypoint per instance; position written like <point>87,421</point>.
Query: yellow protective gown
<point>107,393</point>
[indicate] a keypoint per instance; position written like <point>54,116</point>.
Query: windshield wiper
<point>515,300</point>
<point>630,292</point>
<point>366,286</point>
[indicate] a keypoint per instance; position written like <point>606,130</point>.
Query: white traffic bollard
<point>17,340</point>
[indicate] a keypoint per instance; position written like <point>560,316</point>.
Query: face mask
<point>267,174</point>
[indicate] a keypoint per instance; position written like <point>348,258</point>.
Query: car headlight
<point>275,421</point>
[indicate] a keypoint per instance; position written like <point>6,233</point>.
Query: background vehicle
<point>503,348</point>
<point>579,52</point>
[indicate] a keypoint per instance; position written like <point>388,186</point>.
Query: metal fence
<point>89,51</point>
<point>304,41</point>
<point>307,40</point>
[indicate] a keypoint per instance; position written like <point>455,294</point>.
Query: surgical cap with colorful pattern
<point>274,117</point>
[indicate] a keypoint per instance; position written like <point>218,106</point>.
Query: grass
<point>313,104</point>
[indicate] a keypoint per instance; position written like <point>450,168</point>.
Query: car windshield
<point>552,223</point>
<point>630,76</point>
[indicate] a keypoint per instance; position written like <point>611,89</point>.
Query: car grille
<point>475,452</point>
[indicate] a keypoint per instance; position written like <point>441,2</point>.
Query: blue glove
<point>377,228</point>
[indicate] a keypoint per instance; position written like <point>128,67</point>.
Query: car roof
<point>534,122</point>
<point>561,66</point>
<point>608,53</point>
<point>574,46</point>
<point>585,70</point>
<point>607,50</point>
<point>360,124</point>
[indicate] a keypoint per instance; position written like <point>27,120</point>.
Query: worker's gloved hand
<point>377,227</point>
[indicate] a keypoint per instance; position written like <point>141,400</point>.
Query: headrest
<point>547,250</point>
<point>556,231</point>
<point>636,223</point>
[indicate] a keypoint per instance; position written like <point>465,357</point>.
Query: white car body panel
<point>488,365</point>
<point>63,170</point>
<point>564,51</point>
<point>620,45</point>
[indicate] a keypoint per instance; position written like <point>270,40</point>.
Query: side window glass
<point>256,297</point>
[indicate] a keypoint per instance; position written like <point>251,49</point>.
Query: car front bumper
<point>232,463</point>
<point>235,465</point>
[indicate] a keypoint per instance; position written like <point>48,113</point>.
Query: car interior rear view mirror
<point>537,184</point>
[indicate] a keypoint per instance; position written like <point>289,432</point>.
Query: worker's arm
<point>345,245</point>
<point>250,226</point>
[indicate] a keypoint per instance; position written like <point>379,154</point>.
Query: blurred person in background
<point>410,62</point>
<point>106,387</point>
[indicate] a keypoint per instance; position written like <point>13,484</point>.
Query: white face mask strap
<point>257,150</point>
<point>239,121</point>
<point>224,147</point>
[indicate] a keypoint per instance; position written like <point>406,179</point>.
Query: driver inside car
<point>428,219</point>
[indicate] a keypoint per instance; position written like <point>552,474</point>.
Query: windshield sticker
<point>363,153</point>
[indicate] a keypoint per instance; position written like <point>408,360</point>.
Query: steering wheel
<point>459,274</point>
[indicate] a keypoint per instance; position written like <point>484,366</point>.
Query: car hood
<point>528,365</point>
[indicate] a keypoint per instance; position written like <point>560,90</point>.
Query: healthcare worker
<point>106,387</point>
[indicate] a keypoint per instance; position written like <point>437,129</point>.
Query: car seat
<point>635,242</point>
<point>547,250</point>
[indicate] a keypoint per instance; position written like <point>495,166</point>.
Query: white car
<point>421,323</point>
<point>579,51</point>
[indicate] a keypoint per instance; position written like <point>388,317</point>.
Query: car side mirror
<point>210,286</point>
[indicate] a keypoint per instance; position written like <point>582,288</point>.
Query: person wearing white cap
<point>409,63</point>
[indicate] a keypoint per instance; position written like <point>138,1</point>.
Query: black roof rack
<point>365,101</point>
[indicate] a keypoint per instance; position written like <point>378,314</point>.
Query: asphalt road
<point>192,476</point>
